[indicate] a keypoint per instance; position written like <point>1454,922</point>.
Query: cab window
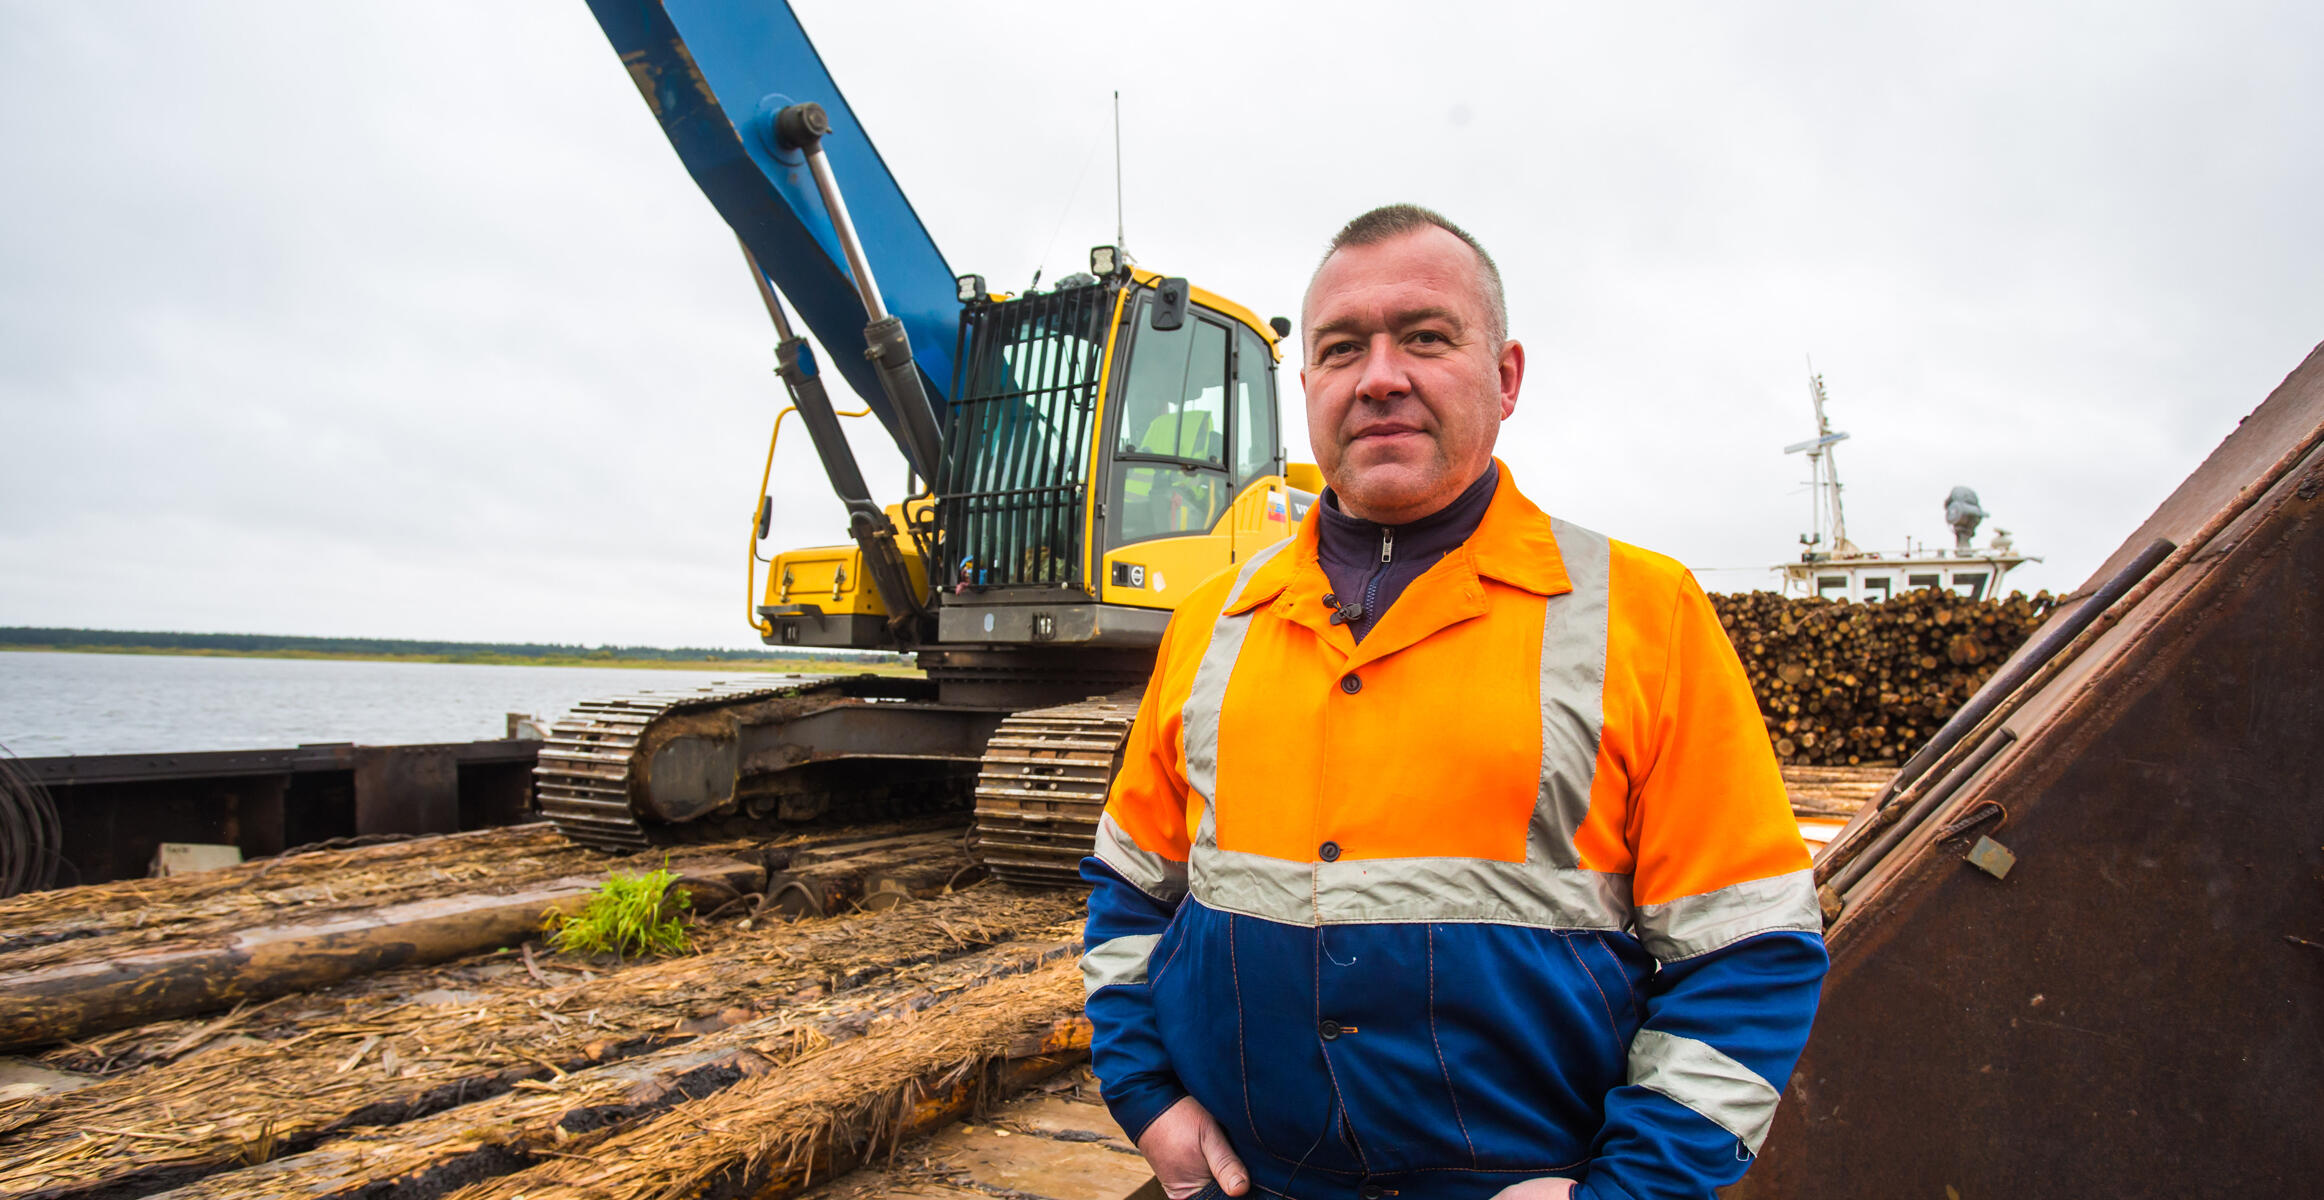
<point>1171,442</point>
<point>1164,501</point>
<point>1174,402</point>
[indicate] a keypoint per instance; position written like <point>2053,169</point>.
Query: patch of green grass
<point>630,915</point>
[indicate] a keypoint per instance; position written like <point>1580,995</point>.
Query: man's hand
<point>1187,1149</point>
<point>1537,1189</point>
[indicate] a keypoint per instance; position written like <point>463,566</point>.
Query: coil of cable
<point>31,837</point>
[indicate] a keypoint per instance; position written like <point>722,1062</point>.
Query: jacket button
<point>1328,852</point>
<point>1350,684</point>
<point>1371,1191</point>
<point>1329,1029</point>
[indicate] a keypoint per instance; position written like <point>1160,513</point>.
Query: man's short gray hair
<point>1396,220</point>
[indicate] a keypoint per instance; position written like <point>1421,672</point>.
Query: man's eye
<point>1338,349</point>
<point>1430,337</point>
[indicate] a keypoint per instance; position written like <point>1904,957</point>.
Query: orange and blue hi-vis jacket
<point>1508,889</point>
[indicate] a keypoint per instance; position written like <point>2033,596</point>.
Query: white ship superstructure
<point>1833,567</point>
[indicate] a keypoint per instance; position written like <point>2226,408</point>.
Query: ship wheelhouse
<point>1873,578</point>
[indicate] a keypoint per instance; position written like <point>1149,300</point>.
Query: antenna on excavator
<point>1119,239</point>
<point>1065,213</point>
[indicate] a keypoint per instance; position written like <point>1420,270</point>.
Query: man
<point>1448,857</point>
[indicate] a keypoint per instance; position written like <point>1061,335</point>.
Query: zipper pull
<point>1387,543</point>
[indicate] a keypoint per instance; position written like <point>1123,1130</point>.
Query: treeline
<point>267,643</point>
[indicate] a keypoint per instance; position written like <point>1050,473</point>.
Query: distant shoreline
<point>811,666</point>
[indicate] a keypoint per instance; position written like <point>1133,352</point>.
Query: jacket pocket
<point>1211,1015</point>
<point>1531,1032</point>
<point>1166,949</point>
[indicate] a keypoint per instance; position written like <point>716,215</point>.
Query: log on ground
<point>141,915</point>
<point>72,999</point>
<point>1832,791</point>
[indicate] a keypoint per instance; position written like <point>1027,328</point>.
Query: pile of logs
<point>1843,684</point>
<point>778,1047</point>
<point>206,942</point>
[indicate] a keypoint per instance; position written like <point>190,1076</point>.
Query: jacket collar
<point>1344,542</point>
<point>1513,545</point>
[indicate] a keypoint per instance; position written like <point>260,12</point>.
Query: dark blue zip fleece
<point>1370,565</point>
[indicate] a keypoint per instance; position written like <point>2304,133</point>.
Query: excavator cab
<point>1108,444</point>
<point>1101,440</point>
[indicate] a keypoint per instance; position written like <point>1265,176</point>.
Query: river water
<point>140,703</point>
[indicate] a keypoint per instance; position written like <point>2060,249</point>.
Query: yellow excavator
<point>1082,456</point>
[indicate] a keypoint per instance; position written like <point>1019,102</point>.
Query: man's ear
<point>1512,370</point>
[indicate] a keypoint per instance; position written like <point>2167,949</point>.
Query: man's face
<point>1405,390</point>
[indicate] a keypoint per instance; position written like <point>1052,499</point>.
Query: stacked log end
<point>1846,684</point>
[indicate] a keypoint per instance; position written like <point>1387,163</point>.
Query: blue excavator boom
<point>717,74</point>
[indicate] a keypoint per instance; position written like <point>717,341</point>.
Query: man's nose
<point>1384,376</point>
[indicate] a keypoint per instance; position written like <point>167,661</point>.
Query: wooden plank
<point>993,1156</point>
<point>1053,1143</point>
<point>1080,1120</point>
<point>21,1080</point>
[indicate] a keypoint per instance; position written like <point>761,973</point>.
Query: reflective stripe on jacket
<point>1509,889</point>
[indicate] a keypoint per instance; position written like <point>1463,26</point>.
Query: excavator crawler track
<point>1042,787</point>
<point>589,764</point>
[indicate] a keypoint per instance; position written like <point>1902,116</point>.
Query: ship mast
<point>1824,511</point>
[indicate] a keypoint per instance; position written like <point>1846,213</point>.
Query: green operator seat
<point>1183,434</point>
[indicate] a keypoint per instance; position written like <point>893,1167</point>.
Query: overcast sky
<point>404,320</point>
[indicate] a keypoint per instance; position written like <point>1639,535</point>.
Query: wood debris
<point>724,1085</point>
